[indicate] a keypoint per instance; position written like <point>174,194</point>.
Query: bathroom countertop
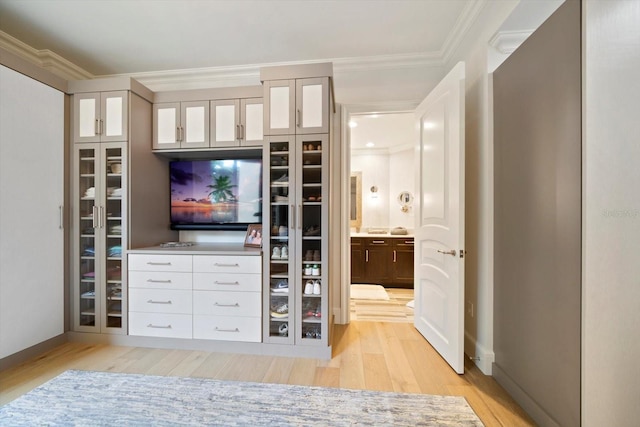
<point>385,235</point>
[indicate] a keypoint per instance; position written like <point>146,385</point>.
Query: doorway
<point>380,148</point>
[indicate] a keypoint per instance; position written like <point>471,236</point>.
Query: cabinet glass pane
<point>279,248</point>
<point>113,116</point>
<point>87,210</point>
<point>279,107</point>
<point>87,117</point>
<point>311,106</point>
<point>225,123</point>
<point>194,124</point>
<point>313,266</point>
<point>167,125</point>
<point>253,122</point>
<point>113,243</point>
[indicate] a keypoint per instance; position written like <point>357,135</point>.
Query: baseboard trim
<point>265,349</point>
<point>28,353</point>
<point>531,407</point>
<point>481,356</point>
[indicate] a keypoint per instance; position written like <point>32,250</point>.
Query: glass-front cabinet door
<point>99,209</point>
<point>279,211</point>
<point>311,239</point>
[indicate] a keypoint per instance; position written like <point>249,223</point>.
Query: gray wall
<point>537,155</point>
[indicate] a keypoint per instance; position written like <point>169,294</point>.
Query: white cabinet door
<point>251,122</point>
<point>279,101</point>
<point>100,117</point>
<point>194,118</point>
<point>312,105</point>
<point>31,231</point>
<point>166,120</point>
<point>225,123</point>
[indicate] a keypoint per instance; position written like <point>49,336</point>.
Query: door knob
<point>452,252</point>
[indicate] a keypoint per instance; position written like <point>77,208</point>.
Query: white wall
<point>611,214</point>
<point>391,173</point>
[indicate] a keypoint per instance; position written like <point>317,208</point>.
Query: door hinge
<point>462,253</point>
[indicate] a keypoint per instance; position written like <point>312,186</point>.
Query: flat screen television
<point>223,194</point>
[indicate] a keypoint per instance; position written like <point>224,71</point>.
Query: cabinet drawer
<point>227,264</point>
<point>227,303</point>
<point>160,325</point>
<point>159,262</point>
<point>160,280</point>
<point>227,328</point>
<point>160,301</point>
<point>240,282</point>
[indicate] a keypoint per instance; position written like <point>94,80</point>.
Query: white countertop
<point>202,249</point>
<point>385,235</point>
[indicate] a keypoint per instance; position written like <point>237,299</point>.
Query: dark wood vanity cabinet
<point>382,260</point>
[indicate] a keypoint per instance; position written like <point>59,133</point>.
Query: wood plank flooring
<point>366,355</point>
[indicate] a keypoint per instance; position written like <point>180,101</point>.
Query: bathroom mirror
<point>355,201</point>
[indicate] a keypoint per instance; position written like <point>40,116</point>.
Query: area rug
<point>86,398</point>
<point>375,292</point>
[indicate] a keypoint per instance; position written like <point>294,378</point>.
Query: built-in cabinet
<point>100,204</point>
<point>199,296</point>
<point>298,106</point>
<point>236,122</point>
<point>296,258</point>
<point>100,116</point>
<point>382,260</point>
<point>181,125</point>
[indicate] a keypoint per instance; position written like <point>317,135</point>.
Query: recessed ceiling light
<point>352,124</point>
<point>370,144</point>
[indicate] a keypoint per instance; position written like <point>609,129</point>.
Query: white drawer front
<point>160,280</point>
<point>227,264</point>
<point>227,282</point>
<point>246,304</point>
<point>160,325</point>
<point>227,328</point>
<point>159,262</point>
<point>160,301</point>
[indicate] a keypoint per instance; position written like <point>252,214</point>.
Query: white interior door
<point>439,232</point>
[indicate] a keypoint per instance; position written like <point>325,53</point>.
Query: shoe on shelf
<point>308,288</point>
<point>284,252</point>
<point>279,198</point>
<point>309,255</point>
<point>284,179</point>
<point>316,287</point>
<point>312,230</point>
<point>281,287</point>
<point>283,231</point>
<point>283,330</point>
<point>276,252</point>
<point>280,311</point>
<point>316,256</point>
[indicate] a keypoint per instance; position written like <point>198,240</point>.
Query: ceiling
<point>391,131</point>
<point>384,53</point>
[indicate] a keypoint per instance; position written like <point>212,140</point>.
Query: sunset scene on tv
<point>215,191</point>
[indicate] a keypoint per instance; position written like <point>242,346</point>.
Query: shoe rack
<point>296,218</point>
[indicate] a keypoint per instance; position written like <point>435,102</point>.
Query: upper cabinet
<point>181,125</point>
<point>299,106</point>
<point>236,123</point>
<point>100,116</point>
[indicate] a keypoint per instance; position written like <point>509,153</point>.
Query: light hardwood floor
<point>366,355</point>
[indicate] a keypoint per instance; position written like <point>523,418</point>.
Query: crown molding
<point>44,58</point>
<point>462,26</point>
<point>506,42</point>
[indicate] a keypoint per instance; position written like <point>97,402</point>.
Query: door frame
<point>342,313</point>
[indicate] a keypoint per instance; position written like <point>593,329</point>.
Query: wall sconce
<point>374,192</point>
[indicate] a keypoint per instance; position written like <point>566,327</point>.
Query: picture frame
<point>253,238</point>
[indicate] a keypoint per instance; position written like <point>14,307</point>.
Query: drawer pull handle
<point>217,264</point>
<point>377,242</point>
<point>227,330</point>
<point>158,263</point>
<point>159,302</point>
<point>408,242</point>
<point>150,325</point>
<point>226,283</point>
<point>158,281</point>
<point>217,304</point>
